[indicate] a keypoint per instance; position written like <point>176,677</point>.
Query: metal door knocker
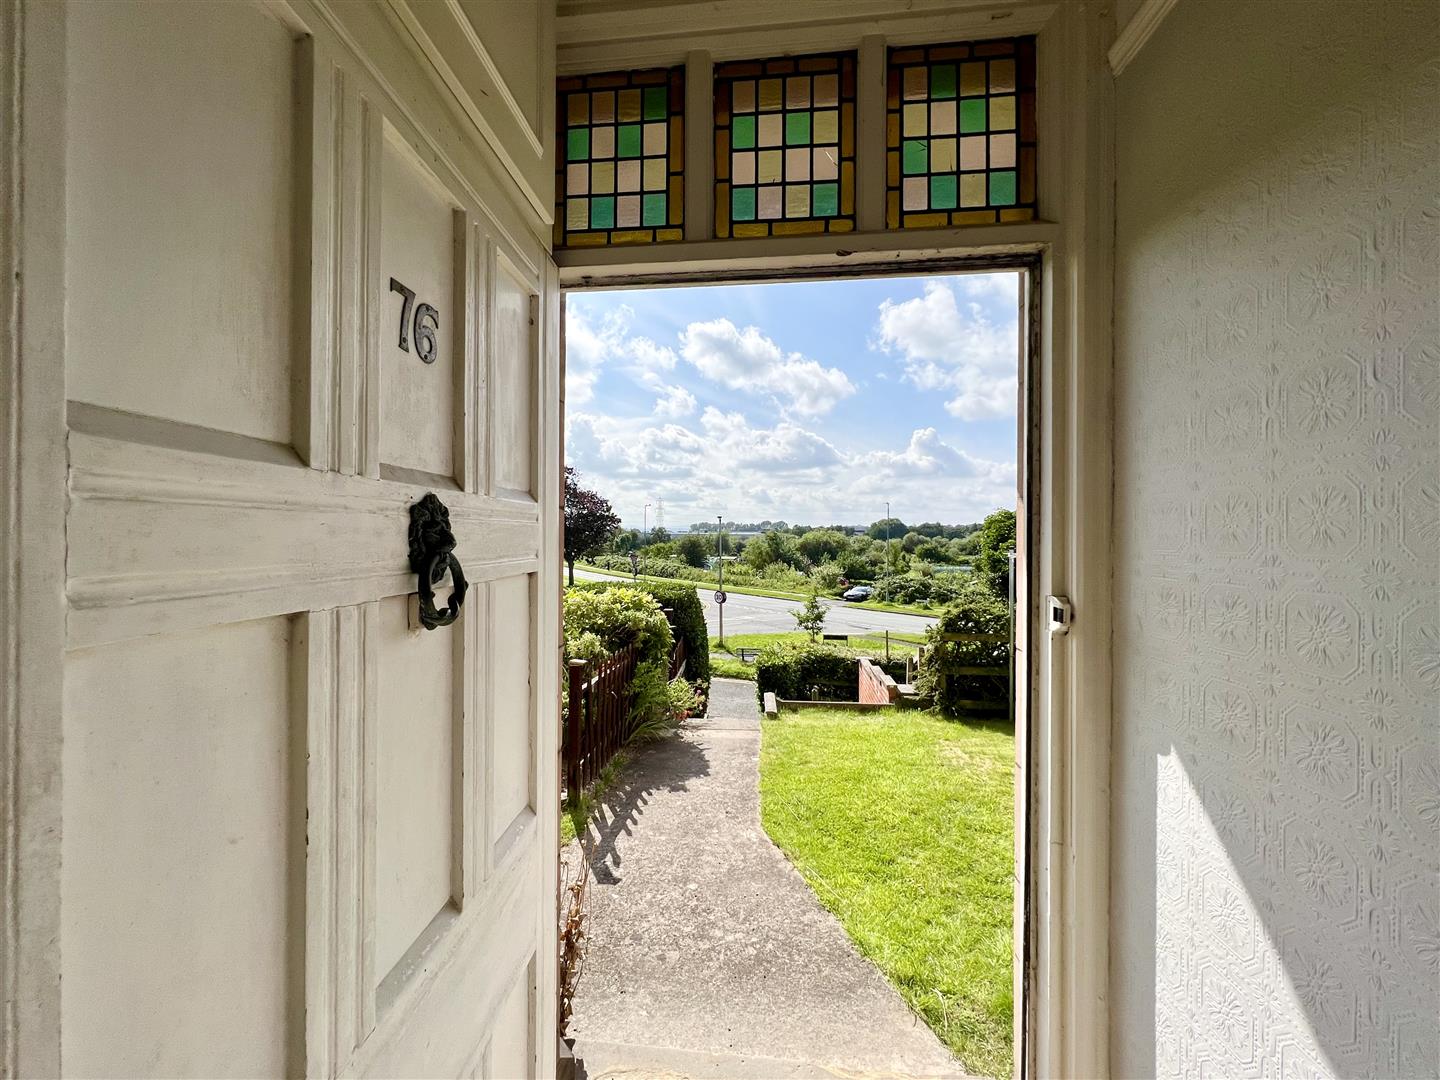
<point>432,552</point>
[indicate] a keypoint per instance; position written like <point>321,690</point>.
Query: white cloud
<point>960,352</point>
<point>748,360</point>
<point>588,347</point>
<point>726,464</point>
<point>675,401</point>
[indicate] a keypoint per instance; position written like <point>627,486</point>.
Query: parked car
<point>859,592</point>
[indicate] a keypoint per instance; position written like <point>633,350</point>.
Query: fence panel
<point>597,715</point>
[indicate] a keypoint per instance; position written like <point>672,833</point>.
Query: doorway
<point>584,441</point>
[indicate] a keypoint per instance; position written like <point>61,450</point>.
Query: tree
<point>590,521</point>
<point>997,540</point>
<point>694,548</point>
<point>659,535</point>
<point>821,545</point>
<point>811,617</point>
<point>894,527</point>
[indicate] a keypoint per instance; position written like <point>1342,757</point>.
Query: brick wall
<point>876,688</point>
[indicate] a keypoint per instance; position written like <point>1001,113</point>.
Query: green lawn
<point>900,644</point>
<point>903,825</point>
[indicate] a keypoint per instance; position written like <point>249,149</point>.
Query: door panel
<point>156,188</point>
<point>180,848</point>
<point>301,833</point>
<point>418,250</point>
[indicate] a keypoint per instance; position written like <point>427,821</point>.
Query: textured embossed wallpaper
<point>1276,848</point>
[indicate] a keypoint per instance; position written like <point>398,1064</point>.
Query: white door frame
<point>1064,1029</point>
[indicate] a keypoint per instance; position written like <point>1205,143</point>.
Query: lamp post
<point>884,580</point>
<point>720,561</point>
<point>644,534</point>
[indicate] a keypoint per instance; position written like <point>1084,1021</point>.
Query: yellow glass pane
<point>1002,113</point>
<point>602,177</point>
<point>770,93</point>
<point>797,92</point>
<point>797,200</point>
<point>768,170</point>
<point>942,155</point>
<point>916,120</point>
<point>751,228</point>
<point>602,108</point>
<point>917,83</point>
<point>799,228</point>
<point>655,174</point>
<point>827,127</point>
<point>629,105</point>
<point>972,79</point>
<point>972,189</point>
<point>743,97</point>
<point>577,214</point>
<point>579,109</point>
<point>1002,76</point>
<point>827,90</point>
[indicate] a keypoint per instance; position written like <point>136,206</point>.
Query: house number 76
<point>427,322</point>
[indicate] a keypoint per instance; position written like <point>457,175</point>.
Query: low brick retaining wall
<point>876,688</point>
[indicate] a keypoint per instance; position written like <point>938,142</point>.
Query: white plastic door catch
<point>1059,614</point>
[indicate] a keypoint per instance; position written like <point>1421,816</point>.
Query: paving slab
<point>708,953</point>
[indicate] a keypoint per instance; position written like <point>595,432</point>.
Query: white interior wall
<point>1276,826</point>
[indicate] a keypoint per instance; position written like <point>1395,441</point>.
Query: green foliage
<point>819,545</point>
<point>997,540</point>
<point>689,614</point>
<point>694,548</point>
<point>976,611</point>
<point>724,666</point>
<point>795,671</point>
<point>616,618</point>
<point>589,521</point>
<point>891,527</point>
<point>773,547</point>
<point>811,616</point>
<point>684,698</point>
<point>903,824</point>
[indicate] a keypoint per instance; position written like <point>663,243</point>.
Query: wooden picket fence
<point>948,671</point>
<point>597,717</point>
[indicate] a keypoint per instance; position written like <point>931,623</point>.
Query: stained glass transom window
<point>620,161</point>
<point>960,134</point>
<point>785,146</point>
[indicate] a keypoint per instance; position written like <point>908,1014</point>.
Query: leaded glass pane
<point>785,146</point>
<point>619,177</point>
<point>961,134</point>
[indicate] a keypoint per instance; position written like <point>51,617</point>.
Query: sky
<point>811,402</point>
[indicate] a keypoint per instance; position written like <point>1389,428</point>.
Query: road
<point>768,615</point>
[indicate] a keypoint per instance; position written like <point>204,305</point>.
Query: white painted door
<point>297,834</point>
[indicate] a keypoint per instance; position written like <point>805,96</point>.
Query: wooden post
<point>576,719</point>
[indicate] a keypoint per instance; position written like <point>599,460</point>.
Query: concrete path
<point>708,954</point>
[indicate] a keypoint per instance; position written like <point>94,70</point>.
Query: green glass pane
<point>655,103</point>
<point>742,204</point>
<point>742,132</point>
<point>654,212</point>
<point>942,192</point>
<point>1002,187</point>
<point>972,115</point>
<point>627,142</point>
<point>797,129</point>
<point>916,156</point>
<point>578,144</point>
<point>602,212</point>
<point>825,200</point>
<point>942,81</point>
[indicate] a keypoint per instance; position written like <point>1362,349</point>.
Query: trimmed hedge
<point>790,671</point>
<point>978,611</point>
<point>689,621</point>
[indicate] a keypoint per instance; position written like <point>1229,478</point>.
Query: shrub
<point>792,671</point>
<point>689,620</point>
<point>976,611</point>
<point>617,617</point>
